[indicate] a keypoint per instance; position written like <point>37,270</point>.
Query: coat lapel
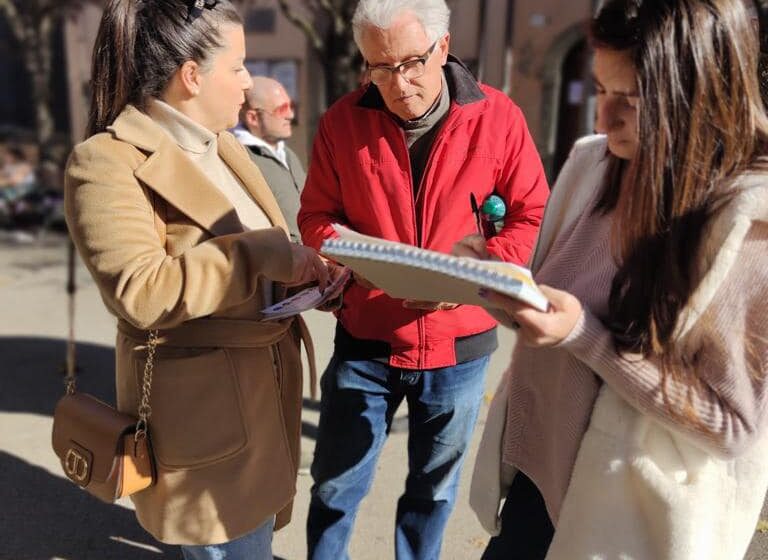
<point>169,172</point>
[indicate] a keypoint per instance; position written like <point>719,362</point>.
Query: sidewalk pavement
<point>43,516</point>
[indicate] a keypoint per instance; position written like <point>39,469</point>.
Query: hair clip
<point>196,8</point>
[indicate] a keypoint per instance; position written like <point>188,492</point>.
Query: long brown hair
<point>141,43</point>
<point>701,123</point>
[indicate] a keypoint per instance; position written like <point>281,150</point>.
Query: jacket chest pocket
<point>480,166</point>
<point>197,416</point>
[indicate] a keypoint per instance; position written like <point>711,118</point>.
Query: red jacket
<point>360,176</point>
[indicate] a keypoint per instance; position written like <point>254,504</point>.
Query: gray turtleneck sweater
<point>420,135</point>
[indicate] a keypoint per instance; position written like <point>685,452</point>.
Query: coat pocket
<point>197,417</point>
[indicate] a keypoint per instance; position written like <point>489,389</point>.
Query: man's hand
<point>307,267</point>
<point>473,246</point>
<point>336,273</point>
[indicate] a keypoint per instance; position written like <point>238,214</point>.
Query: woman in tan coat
<point>183,237</point>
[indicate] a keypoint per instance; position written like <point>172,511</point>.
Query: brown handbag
<point>103,450</point>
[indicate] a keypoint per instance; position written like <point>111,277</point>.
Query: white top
<point>247,139</point>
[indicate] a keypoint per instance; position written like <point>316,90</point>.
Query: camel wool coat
<point>168,252</point>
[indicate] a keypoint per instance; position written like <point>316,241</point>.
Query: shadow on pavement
<point>32,373</point>
<point>44,517</point>
<point>310,404</point>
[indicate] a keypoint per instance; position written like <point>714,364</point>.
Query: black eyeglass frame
<point>398,69</point>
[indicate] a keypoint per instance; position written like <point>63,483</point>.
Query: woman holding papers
<point>183,237</point>
<point>632,420</point>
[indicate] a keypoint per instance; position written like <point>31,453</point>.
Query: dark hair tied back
<point>142,43</point>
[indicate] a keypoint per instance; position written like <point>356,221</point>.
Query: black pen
<point>476,212</point>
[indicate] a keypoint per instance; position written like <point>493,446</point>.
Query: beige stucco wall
<point>544,32</point>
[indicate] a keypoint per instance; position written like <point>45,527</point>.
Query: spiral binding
<point>424,259</point>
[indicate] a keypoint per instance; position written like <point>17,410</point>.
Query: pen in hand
<point>476,212</point>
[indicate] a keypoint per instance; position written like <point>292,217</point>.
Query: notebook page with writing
<point>408,272</point>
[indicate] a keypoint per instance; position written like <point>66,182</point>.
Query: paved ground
<point>42,516</point>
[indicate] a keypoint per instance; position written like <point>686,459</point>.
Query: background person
<point>17,175</point>
<point>265,124</point>
<point>398,159</point>
<point>658,291</point>
<point>182,235</point>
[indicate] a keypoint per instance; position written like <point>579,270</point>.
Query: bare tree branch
<point>305,25</point>
<point>328,6</point>
<point>45,31</point>
<point>13,18</point>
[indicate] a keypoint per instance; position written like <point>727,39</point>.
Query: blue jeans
<point>256,545</point>
<point>359,399</point>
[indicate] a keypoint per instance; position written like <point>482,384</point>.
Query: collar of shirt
<point>433,115</point>
<point>189,135</point>
<point>247,139</point>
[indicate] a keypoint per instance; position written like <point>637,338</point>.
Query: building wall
<point>544,33</point>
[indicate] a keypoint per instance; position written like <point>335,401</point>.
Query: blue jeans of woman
<point>256,545</point>
<point>359,399</point>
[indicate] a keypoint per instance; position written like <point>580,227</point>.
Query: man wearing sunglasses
<point>266,121</point>
<point>399,159</point>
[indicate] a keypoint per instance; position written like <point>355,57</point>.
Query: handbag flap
<point>81,421</point>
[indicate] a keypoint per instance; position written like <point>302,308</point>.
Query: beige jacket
<point>168,252</point>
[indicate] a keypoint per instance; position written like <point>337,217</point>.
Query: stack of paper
<point>408,272</point>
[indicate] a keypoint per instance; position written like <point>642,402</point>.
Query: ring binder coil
<point>408,272</point>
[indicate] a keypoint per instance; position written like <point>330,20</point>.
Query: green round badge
<point>494,208</point>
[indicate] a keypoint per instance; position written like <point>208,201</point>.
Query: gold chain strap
<point>69,380</point>
<point>145,410</point>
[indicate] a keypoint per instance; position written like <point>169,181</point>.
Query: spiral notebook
<point>408,272</point>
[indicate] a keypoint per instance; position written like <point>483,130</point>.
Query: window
<point>285,71</point>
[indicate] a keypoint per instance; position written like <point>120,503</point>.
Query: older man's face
<point>403,41</point>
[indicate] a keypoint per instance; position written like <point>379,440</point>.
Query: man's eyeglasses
<point>282,111</point>
<point>409,70</point>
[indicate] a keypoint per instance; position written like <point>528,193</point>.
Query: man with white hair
<point>399,159</point>
<point>266,120</point>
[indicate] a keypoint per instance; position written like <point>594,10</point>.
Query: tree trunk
<point>342,66</point>
<point>37,59</point>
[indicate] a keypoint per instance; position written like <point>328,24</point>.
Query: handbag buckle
<point>77,465</point>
